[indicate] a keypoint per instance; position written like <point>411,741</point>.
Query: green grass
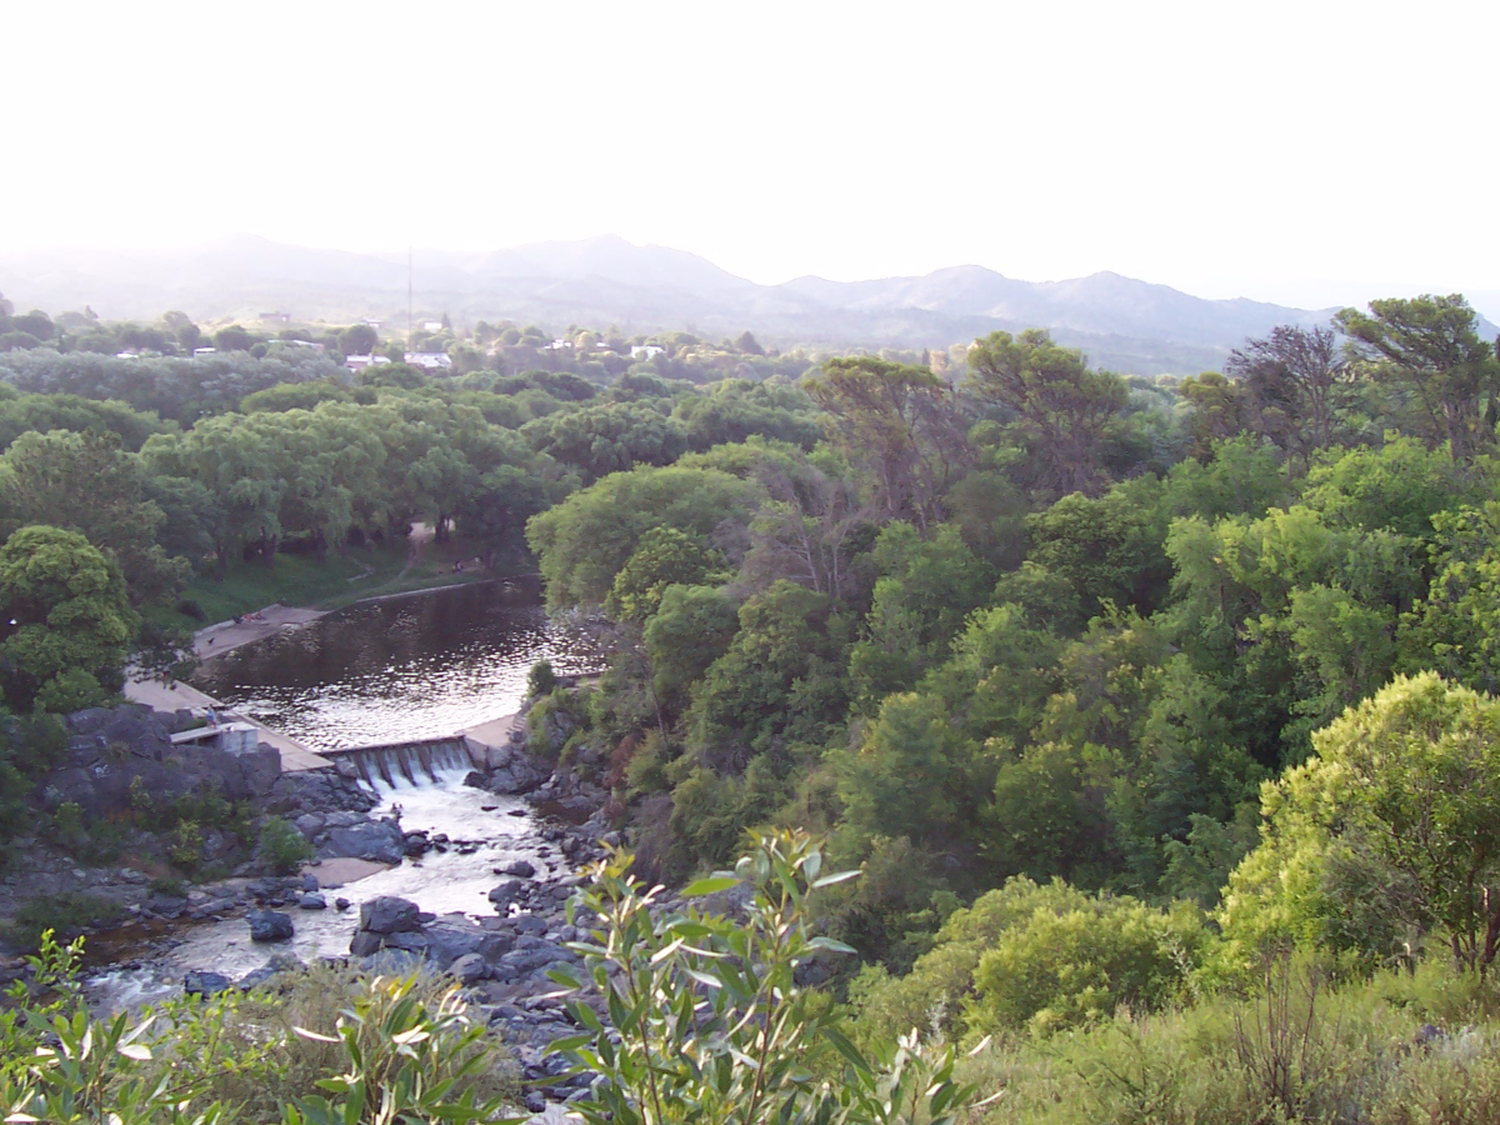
<point>302,581</point>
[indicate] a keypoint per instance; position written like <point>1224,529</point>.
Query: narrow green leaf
<point>710,886</point>
<point>836,877</point>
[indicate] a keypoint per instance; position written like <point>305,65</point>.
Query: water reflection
<point>407,668</point>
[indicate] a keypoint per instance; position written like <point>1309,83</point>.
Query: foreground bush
<point>709,1024</point>
<point>1397,1049</point>
<point>1040,957</point>
<point>397,1050</point>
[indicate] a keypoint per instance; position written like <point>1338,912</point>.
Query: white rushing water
<point>451,882</point>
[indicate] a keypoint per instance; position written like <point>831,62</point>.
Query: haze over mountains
<point>1128,325</point>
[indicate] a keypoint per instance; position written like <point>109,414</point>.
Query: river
<point>397,669</point>
<point>384,671</point>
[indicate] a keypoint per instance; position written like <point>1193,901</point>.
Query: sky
<point>1307,153</point>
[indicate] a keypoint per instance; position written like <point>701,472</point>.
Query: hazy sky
<point>1307,152</point>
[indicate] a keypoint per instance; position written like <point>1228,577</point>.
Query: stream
<point>386,671</point>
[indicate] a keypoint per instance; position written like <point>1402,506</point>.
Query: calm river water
<point>420,666</point>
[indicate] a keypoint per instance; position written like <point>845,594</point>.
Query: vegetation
<point>1155,713</point>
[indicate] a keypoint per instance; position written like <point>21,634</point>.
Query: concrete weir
<point>416,763</point>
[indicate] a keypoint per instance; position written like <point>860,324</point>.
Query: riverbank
<point>339,581</point>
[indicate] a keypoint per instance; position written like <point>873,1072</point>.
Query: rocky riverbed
<point>467,875</point>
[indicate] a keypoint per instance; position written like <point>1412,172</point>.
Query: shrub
<point>283,847</point>
<point>1039,955</point>
<point>541,679</point>
<point>712,1026</point>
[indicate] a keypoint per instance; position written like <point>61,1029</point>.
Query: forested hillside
<point>1112,687</point>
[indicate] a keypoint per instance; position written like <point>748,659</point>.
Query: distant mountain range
<point>1127,325</point>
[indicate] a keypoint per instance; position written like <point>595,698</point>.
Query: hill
<point>1123,323</point>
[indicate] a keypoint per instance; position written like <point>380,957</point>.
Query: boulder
<point>519,868</point>
<point>411,942</point>
<point>364,943</point>
<point>389,915</point>
<point>448,941</point>
<point>469,969</point>
<point>522,774</point>
<point>374,840</point>
<point>529,924</point>
<point>168,906</point>
<point>507,893</point>
<point>312,900</point>
<point>269,925</point>
<point>205,984</point>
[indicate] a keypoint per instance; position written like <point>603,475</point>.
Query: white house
<point>431,361</point>
<point>360,362</point>
<point>645,351</point>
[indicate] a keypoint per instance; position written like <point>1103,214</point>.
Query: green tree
<point>358,339</point>
<point>1429,350</point>
<point>84,482</point>
<point>915,774</point>
<point>1219,410</point>
<point>778,683</point>
<point>1063,410</point>
<point>921,599</point>
<point>1111,549</point>
<point>233,339</point>
<point>587,539</point>
<point>664,557</point>
<point>896,423</point>
<point>65,618</point>
<point>1388,832</point>
<point>691,628</point>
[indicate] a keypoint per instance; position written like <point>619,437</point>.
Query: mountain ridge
<point>1134,326</point>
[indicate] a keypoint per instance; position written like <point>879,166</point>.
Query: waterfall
<point>426,762</point>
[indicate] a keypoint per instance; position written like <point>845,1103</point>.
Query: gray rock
<point>312,900</point>
<point>412,943</point>
<point>529,924</point>
<point>309,824</point>
<point>363,944</point>
<point>373,840</point>
<point>520,868</point>
<point>341,904</point>
<point>168,906</point>
<point>520,775</point>
<point>507,892</point>
<point>389,915</point>
<point>205,984</point>
<point>449,941</point>
<point>269,925</point>
<point>469,969</point>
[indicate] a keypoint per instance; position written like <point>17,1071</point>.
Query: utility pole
<point>408,296</point>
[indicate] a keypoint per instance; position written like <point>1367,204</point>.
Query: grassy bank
<point>302,581</point>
